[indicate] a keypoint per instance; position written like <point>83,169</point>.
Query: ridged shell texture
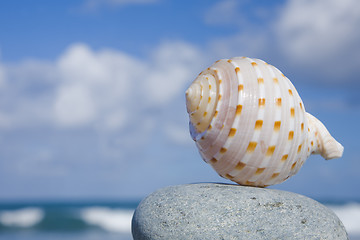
<point>250,124</point>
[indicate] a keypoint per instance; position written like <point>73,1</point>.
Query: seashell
<point>250,124</point>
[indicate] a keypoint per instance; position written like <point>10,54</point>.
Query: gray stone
<point>222,211</point>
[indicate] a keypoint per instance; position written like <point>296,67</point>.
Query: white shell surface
<point>250,123</point>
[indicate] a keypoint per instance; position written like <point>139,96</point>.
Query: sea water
<point>80,221</point>
<point>106,220</point>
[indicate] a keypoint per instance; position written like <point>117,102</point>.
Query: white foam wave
<point>349,214</point>
<point>114,220</point>
<point>25,217</point>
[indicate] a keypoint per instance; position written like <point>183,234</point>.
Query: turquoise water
<point>104,220</point>
<point>79,221</point>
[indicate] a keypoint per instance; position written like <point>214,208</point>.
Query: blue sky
<point>92,91</point>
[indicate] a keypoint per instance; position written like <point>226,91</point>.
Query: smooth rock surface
<point>222,211</point>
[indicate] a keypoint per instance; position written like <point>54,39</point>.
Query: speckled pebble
<point>222,211</point>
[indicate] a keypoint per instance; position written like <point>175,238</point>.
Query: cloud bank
<point>106,88</point>
<point>318,40</point>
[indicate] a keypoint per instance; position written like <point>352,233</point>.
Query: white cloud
<point>106,90</point>
<point>80,64</point>
<point>322,34</point>
<point>95,85</point>
<point>174,65</point>
<point>74,106</point>
<point>323,27</point>
<point>312,39</point>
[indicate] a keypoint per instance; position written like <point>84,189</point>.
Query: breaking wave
<point>115,220</point>
<point>349,214</point>
<point>23,218</point>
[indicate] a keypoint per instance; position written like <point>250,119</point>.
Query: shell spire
<point>201,98</point>
<point>325,145</point>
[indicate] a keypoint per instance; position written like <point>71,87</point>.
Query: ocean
<point>103,220</point>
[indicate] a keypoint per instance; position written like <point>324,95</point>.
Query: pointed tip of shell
<point>192,97</point>
<point>201,101</point>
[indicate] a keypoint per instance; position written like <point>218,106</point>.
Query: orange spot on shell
<point>277,125</point>
<point>229,176</point>
<point>292,112</point>
<point>213,160</point>
<point>258,124</point>
<point>238,109</point>
<point>259,171</point>
<point>261,102</point>
<point>232,132</point>
<point>284,157</point>
<point>240,166</point>
<point>291,135</point>
<point>251,147</point>
<point>275,175</point>
<point>278,102</point>
<point>223,150</point>
<point>299,148</point>
<point>270,151</point>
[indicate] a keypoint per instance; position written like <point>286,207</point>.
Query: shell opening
<point>328,148</point>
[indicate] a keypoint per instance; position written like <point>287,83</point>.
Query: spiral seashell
<point>250,124</point>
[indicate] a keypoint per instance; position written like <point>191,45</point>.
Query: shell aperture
<point>250,124</point>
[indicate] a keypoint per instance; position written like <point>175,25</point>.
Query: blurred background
<point>92,108</point>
